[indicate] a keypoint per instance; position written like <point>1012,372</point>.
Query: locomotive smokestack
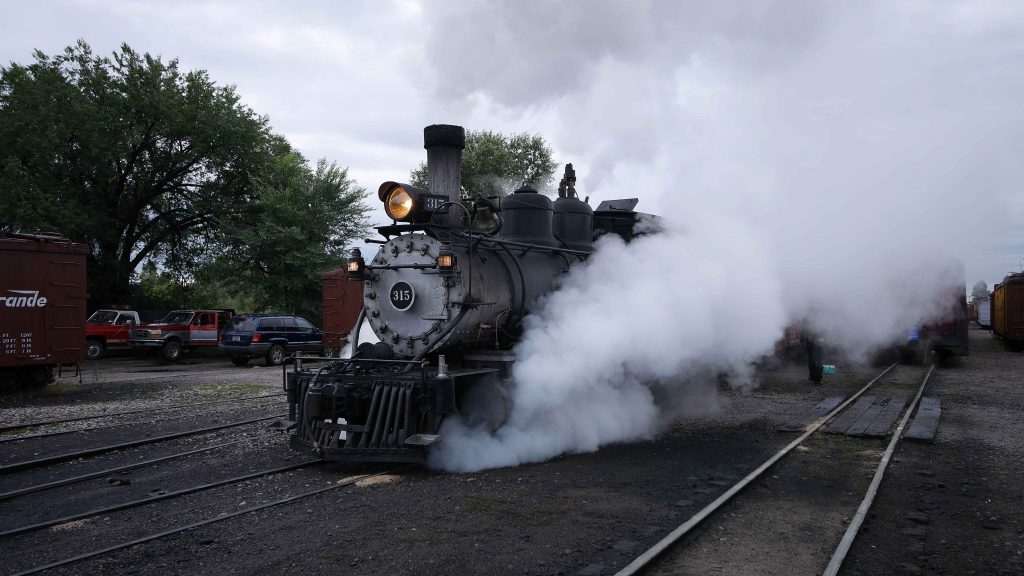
<point>444,144</point>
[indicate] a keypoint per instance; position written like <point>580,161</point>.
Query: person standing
<point>813,348</point>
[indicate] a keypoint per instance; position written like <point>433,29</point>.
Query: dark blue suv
<point>272,336</point>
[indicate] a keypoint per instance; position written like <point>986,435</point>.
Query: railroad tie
<point>926,421</point>
<point>824,407</point>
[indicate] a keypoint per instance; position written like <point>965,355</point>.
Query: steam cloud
<point>816,161</point>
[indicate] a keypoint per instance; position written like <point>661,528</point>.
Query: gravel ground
<point>123,384</point>
<point>792,519</point>
<point>957,506</point>
<point>584,513</point>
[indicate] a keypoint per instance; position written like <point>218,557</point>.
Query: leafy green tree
<point>155,289</point>
<point>494,164</point>
<point>128,154</point>
<point>300,225</point>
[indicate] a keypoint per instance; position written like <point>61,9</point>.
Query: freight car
<point>342,303</point>
<point>983,312</point>
<point>946,336</point>
<point>1008,310</point>
<point>42,307</point>
<point>446,295</point>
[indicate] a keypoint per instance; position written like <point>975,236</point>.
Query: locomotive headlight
<point>399,204</point>
<point>406,203</point>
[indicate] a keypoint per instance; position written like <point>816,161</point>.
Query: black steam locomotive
<point>446,294</point>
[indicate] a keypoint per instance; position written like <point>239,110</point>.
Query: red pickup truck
<point>181,330</point>
<point>108,330</point>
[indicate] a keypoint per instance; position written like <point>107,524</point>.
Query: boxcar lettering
<point>30,299</point>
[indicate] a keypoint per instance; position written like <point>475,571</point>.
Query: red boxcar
<point>343,301</point>
<point>42,307</point>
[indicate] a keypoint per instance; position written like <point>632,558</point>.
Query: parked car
<point>108,330</point>
<point>270,336</point>
<point>181,330</point>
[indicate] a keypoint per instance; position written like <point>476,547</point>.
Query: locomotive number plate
<point>401,295</point>
<point>433,202</point>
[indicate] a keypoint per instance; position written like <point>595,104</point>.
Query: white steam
<point>591,357</point>
<point>817,161</point>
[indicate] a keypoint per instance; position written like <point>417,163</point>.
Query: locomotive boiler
<point>446,294</point>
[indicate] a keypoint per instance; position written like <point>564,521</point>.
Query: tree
<point>979,291</point>
<point>127,154</point>
<point>300,225</point>
<point>154,289</point>
<point>495,164</point>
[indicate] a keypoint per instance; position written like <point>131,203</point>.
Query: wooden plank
<point>926,421</point>
<point>882,425</point>
<point>846,419</point>
<point>823,407</point>
<point>869,415</point>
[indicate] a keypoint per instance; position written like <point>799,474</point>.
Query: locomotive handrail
<point>528,245</point>
<point>399,266</point>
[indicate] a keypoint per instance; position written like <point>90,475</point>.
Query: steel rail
<point>225,371</point>
<point>172,531</point>
<point>647,557</point>
<point>150,499</point>
<point>75,479</point>
<point>862,511</point>
<point>77,430</point>
<point>26,464</point>
<point>39,423</point>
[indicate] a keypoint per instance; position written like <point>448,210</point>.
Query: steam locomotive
<point>446,295</point>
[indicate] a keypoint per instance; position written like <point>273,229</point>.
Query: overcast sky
<point>803,112</point>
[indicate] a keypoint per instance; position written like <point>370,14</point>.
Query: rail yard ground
<point>955,506</point>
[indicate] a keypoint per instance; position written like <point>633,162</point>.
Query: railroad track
<point>647,559</point>
<point>39,423</point>
<point>119,469</point>
<point>117,414</point>
<point>92,451</point>
<point>100,550</point>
